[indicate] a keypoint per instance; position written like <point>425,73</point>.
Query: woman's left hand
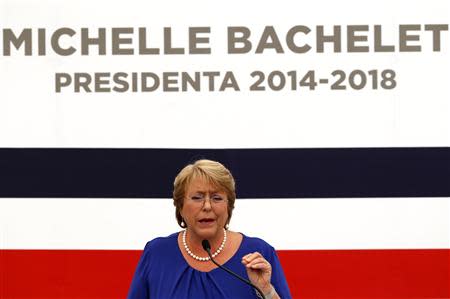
<point>259,271</point>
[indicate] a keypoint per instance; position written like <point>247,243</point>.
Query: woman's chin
<point>207,232</point>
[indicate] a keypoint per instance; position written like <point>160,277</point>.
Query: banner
<point>332,116</point>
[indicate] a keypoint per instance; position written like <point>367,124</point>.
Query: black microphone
<point>207,248</point>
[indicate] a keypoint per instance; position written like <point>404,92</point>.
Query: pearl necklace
<point>204,259</point>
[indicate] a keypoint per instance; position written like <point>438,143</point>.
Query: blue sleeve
<point>278,279</point>
<point>139,288</point>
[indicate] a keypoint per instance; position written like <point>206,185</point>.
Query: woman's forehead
<point>202,184</point>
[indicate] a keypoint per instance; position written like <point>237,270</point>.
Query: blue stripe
<point>260,173</point>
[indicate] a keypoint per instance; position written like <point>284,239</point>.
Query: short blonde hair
<point>213,172</point>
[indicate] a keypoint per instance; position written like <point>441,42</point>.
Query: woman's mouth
<point>206,220</point>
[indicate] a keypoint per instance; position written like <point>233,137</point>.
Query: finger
<point>247,258</point>
<point>260,266</point>
<point>257,260</point>
<point>260,261</point>
<point>251,256</point>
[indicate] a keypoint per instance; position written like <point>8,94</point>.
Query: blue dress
<point>163,273</point>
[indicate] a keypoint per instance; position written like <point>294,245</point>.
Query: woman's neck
<point>194,242</point>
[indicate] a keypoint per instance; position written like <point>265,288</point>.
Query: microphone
<point>207,248</point>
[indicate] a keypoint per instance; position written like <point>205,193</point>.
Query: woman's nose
<point>207,203</point>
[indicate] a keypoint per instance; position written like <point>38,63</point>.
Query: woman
<point>178,267</point>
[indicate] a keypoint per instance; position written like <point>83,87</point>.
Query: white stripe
<point>331,223</point>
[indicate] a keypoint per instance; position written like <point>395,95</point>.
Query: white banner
<point>236,74</point>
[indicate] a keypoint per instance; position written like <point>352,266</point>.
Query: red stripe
<point>310,273</point>
<point>367,273</point>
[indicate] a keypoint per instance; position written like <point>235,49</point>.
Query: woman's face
<point>205,209</point>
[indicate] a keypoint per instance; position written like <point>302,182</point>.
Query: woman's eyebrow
<point>218,191</point>
<point>208,191</point>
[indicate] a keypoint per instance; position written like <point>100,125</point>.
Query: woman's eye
<point>217,198</point>
<point>196,197</point>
